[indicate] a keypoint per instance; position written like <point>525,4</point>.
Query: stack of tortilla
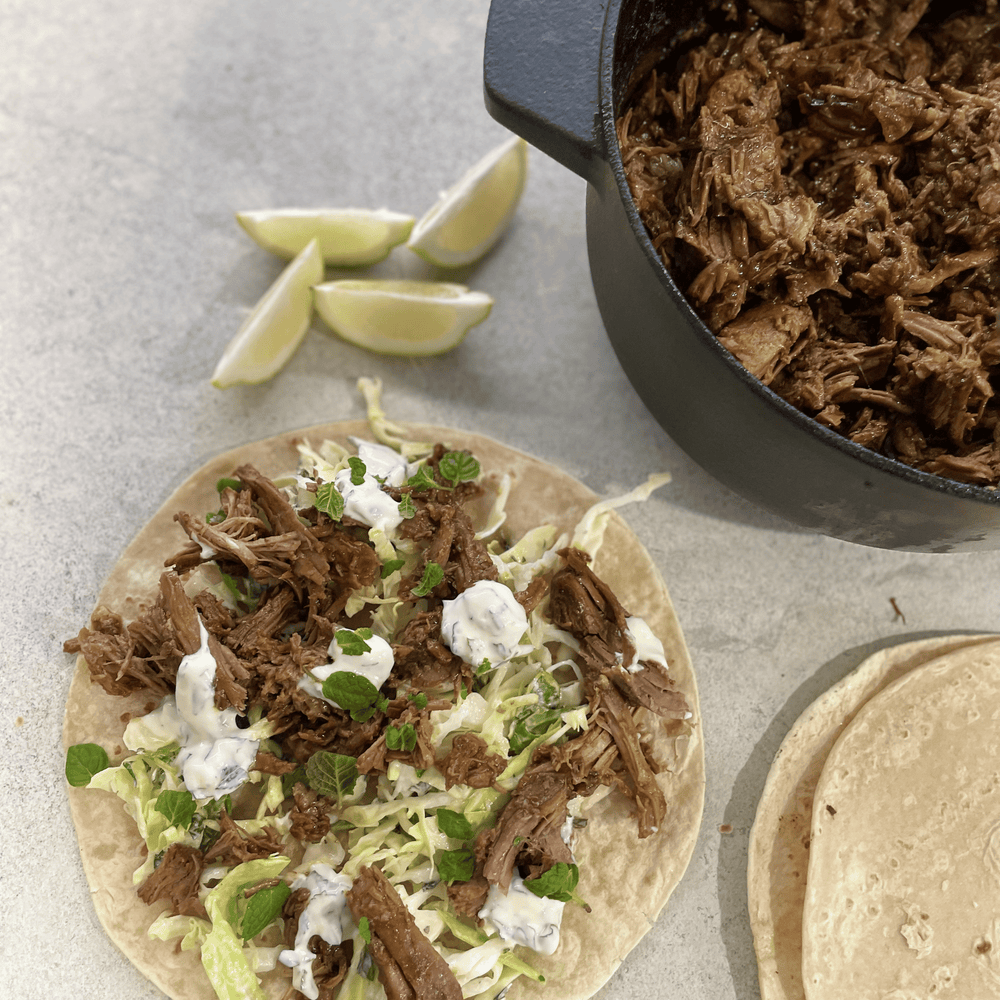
<point>874,861</point>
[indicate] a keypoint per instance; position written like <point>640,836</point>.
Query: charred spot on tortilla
<point>576,739</point>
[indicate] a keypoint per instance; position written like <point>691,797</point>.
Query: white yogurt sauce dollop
<point>376,665</point>
<point>326,914</point>
<point>216,755</point>
<point>484,622</point>
<point>367,502</point>
<point>647,646</point>
<point>521,917</point>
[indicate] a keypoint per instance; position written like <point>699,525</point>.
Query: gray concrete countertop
<point>130,135</point>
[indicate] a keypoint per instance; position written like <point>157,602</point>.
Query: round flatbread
<point>779,849</point>
<point>904,859</point>
<point>626,880</point>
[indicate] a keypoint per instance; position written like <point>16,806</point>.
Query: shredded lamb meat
<point>176,878</point>
<point>824,182</point>
<point>409,966</point>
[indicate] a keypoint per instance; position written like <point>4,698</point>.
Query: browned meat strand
<point>403,952</point>
<point>824,183</point>
<point>470,762</point>
<point>528,832</point>
<point>176,878</point>
<point>234,846</point>
<point>421,657</point>
<point>585,606</point>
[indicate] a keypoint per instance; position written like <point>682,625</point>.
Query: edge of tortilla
<point>643,873</point>
<point>778,855</point>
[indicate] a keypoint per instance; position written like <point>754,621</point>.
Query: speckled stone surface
<point>129,134</point>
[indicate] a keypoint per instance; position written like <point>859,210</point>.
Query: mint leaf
<point>332,774</point>
<point>358,470</point>
<point>263,907</point>
<point>391,565</point>
<point>453,824</point>
<point>177,806</point>
<point>290,780</point>
<point>353,643</point>
<point>83,761</point>
<point>364,929</point>
<point>353,693</point>
<point>458,467</point>
<point>419,699</point>
<point>227,483</point>
<point>433,575</point>
<point>456,866</point>
<point>423,479</point>
<point>407,509</point>
<point>403,737</point>
<point>557,883</point>
<point>329,501</point>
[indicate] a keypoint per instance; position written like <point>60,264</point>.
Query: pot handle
<point>541,71</point>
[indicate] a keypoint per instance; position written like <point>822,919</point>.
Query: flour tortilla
<point>625,880</point>
<point>904,866</point>
<point>779,849</point>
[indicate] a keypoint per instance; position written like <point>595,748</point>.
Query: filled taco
<point>372,710</point>
<point>873,844</point>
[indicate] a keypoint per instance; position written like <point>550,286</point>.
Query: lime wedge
<point>347,237</point>
<point>404,318</point>
<point>469,218</point>
<point>275,326</point>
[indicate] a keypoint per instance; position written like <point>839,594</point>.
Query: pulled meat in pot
<point>824,184</point>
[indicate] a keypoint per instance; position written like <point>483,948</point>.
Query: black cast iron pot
<point>557,72</point>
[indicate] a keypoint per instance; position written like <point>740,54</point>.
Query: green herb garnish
<point>364,929</point>
<point>453,824</point>
<point>83,761</point>
<point>355,694</point>
<point>402,737</point>
<point>558,882</point>
<point>433,575</point>
<point>290,780</point>
<point>178,806</point>
<point>456,866</point>
<point>329,501</point>
<point>263,907</point>
<point>353,643</point>
<point>423,479</point>
<point>391,565</point>
<point>332,774</point>
<point>357,470</point>
<point>407,508</point>
<point>458,467</point>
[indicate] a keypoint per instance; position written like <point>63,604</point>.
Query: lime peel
<point>404,318</point>
<point>347,237</point>
<point>470,217</point>
<point>275,327</point>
